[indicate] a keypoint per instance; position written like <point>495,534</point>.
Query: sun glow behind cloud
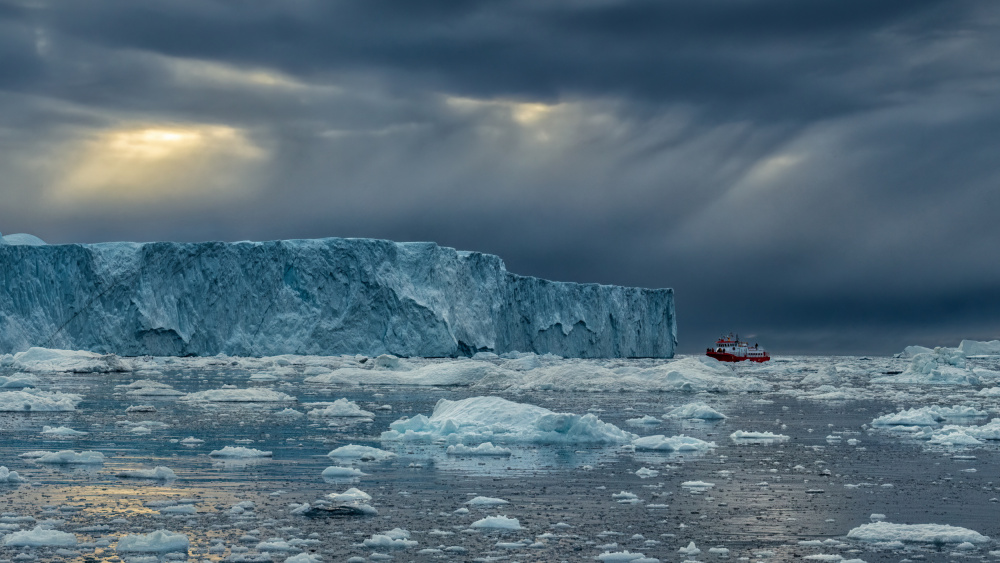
<point>154,163</point>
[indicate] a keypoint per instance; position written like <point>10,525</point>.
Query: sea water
<point>827,471</point>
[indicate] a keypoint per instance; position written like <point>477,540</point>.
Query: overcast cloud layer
<point>821,176</point>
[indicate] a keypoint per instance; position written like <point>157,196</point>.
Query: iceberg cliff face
<point>324,297</point>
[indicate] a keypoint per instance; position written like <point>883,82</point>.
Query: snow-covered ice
<point>922,533</point>
<point>360,453</point>
<point>239,452</point>
<point>40,537</point>
<point>160,541</point>
<point>497,523</point>
<point>679,443</point>
<point>486,448</point>
<point>493,419</point>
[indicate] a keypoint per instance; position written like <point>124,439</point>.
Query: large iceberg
<point>322,297</point>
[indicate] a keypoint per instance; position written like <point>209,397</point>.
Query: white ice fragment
<point>62,431</point>
<point>486,501</point>
<point>158,473</point>
<point>305,558</point>
<point>39,537</point>
<point>480,419</point>
<point>350,495</point>
<point>8,476</point>
<point>340,408</point>
<point>680,443</point>
<point>645,472</point>
<point>644,421</point>
<point>75,361</point>
<point>923,533</point>
<point>337,472</point>
<point>192,441</point>
<point>743,437</point>
<point>253,395</point>
<point>397,538</point>
<point>928,416</point>
<point>361,453</point>
<point>160,541</point>
<point>38,401</point>
<point>697,486</point>
<point>71,457</point>
<point>622,557</point>
<point>695,410</point>
<point>691,549</point>
<point>497,522</point>
<point>239,452</point>
<point>484,449</point>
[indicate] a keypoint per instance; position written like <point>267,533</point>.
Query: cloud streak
<point>819,174</point>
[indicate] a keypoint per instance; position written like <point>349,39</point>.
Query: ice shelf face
<point>325,296</point>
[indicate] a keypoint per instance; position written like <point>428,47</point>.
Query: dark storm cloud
<point>818,173</point>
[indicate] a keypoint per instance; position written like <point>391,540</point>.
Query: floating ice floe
<point>485,449</point>
<point>928,416</point>
<point>38,401</point>
<point>39,537</point>
<point>695,410</point>
<point>340,407</point>
<point>62,431</point>
<point>146,387</point>
<point>140,408</point>
<point>486,501</point>
<point>289,413</point>
<point>18,381</point>
<point>691,549</point>
<point>922,533</point>
<point>239,452</point>
<point>192,441</point>
<point>624,557</point>
<point>70,457</point>
<point>350,495</point>
<point>497,523</point>
<point>304,558</point>
<point>158,473</point>
<point>744,437</point>
<point>644,421</point>
<point>646,473</point>
<point>337,472</point>
<point>41,360</point>
<point>8,476</point>
<point>397,538</point>
<point>942,366</point>
<point>697,486</point>
<point>482,419</point>
<point>160,541</point>
<point>680,443</point>
<point>360,453</point>
<point>253,395</point>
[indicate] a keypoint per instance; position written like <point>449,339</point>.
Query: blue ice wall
<point>324,296</point>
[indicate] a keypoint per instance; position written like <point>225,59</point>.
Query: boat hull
<point>726,357</point>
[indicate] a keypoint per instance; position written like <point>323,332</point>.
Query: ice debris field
<point>516,457</point>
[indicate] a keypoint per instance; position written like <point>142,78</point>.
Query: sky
<point>821,177</point>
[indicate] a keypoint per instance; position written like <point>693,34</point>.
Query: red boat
<point>730,349</point>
